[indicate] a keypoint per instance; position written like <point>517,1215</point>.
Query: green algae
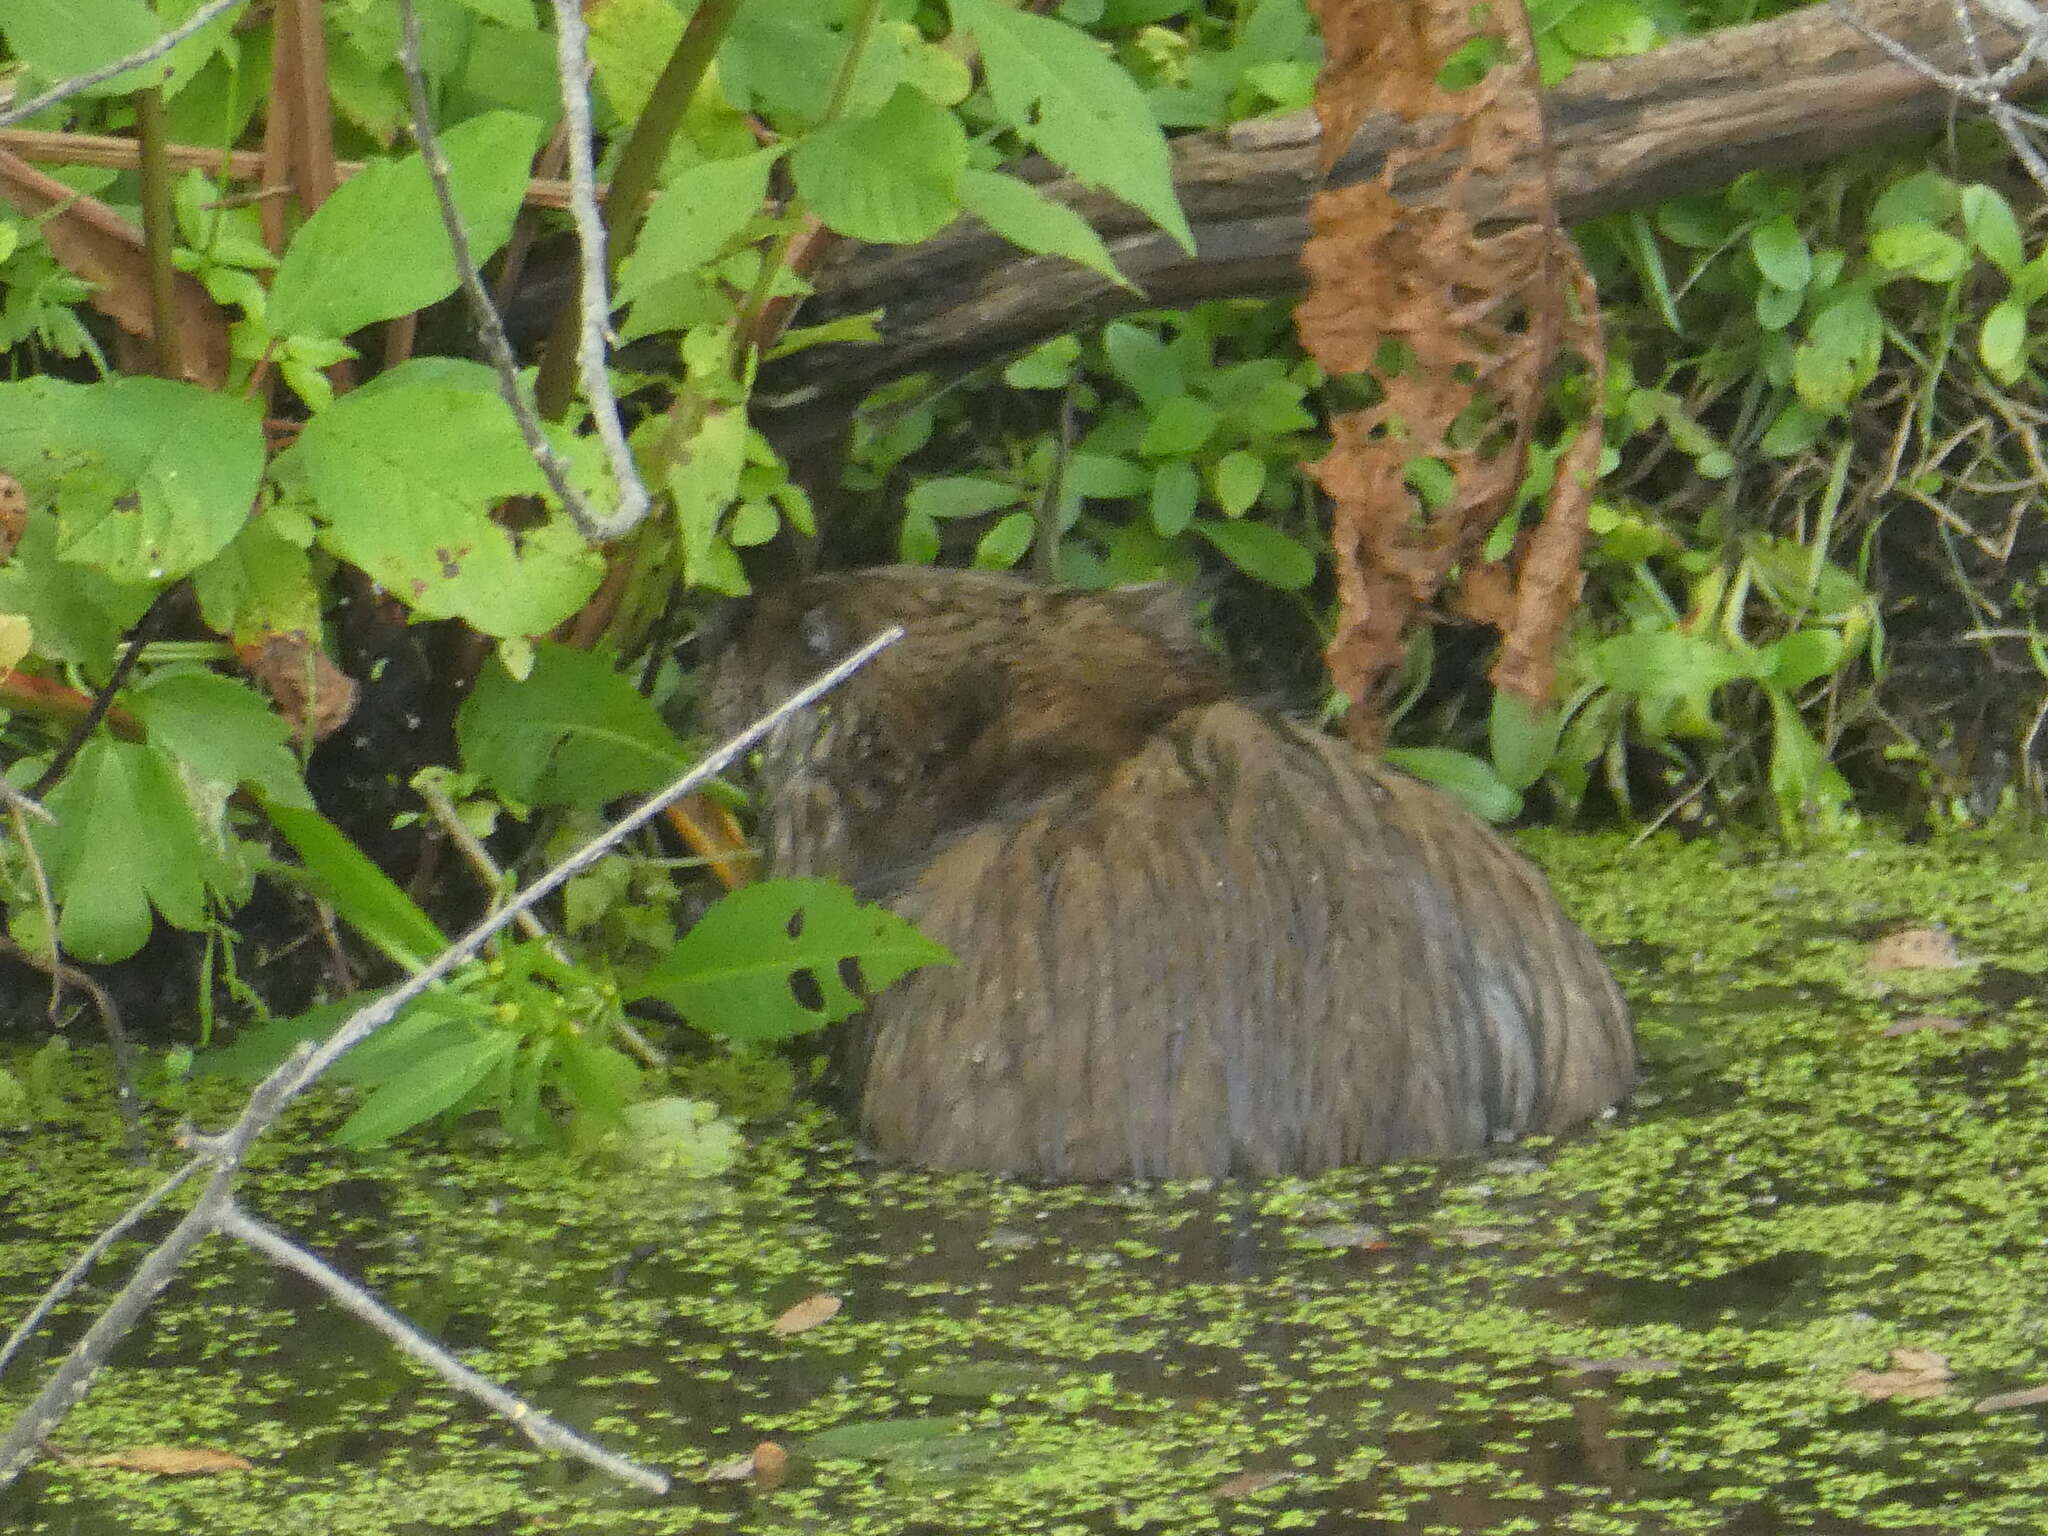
<point>1650,1327</point>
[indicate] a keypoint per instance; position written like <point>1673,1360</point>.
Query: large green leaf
<point>406,479</point>
<point>60,39</point>
<point>376,249</point>
<point>1031,221</point>
<point>1261,552</point>
<point>437,1082</point>
<point>1665,662</point>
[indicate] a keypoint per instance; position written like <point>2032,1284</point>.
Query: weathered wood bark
<point>1802,88</point>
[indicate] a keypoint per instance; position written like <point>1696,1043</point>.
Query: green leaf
<point>1925,197</point>
<point>76,614</point>
<point>573,733</point>
<point>892,177</point>
<point>148,477</point>
<point>221,729</point>
<point>61,39</point>
<point>1006,543</point>
<point>960,496</point>
<point>1522,740</point>
<point>703,480</point>
<point>1794,660</point>
<point>1049,365</point>
<point>1781,253</point>
<point>1989,221</point>
<point>1665,662</point>
<point>258,1051</point>
<point>1143,362</point>
<point>695,218</point>
<point>1802,780</point>
<point>1033,222</point>
<point>1840,353</point>
<point>1176,490</point>
<point>732,974</point>
<point>1794,430</point>
<point>439,1082</point>
<point>124,838</point>
<point>260,584</point>
<point>1607,29</point>
<point>1930,254</point>
<point>1063,94</point>
<point>1179,426</point>
<point>1265,554</point>
<point>415,515</point>
<point>917,539</point>
<point>2003,342</point>
<point>600,1079</point>
<point>630,40</point>
<point>361,894</point>
<point>1237,480</point>
<point>376,249</point>
<point>1106,477</point>
<point>1469,780</point>
<point>1777,308</point>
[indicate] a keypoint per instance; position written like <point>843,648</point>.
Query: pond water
<point>1783,1291</point>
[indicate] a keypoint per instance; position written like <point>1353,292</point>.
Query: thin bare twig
<point>547,1433</point>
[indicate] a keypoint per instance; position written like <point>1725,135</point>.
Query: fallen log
<point>1625,132</point>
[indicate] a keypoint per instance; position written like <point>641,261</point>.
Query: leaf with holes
<point>771,960</point>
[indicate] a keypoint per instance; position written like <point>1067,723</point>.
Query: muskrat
<point>1194,938</point>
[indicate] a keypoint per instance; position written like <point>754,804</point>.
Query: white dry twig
<point>1983,86</point>
<point>572,62</point>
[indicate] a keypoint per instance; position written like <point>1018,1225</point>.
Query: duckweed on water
<point>1649,1328</point>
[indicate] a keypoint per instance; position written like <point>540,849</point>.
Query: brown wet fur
<point>1194,939</point>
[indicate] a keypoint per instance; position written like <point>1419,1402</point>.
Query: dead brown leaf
<point>1916,949</point>
<point>771,1464</point>
<point>1251,1482</point>
<point>1939,1023</point>
<point>1914,1373</point>
<point>807,1314</point>
<point>2025,1397</point>
<point>1462,304</point>
<point>171,1461</point>
<point>309,689</point>
<point>93,242</point>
